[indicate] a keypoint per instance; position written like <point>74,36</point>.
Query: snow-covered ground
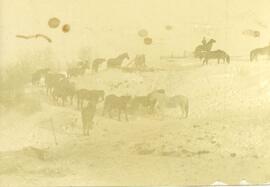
<point>225,138</point>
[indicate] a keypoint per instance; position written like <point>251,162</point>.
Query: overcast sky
<point>110,27</point>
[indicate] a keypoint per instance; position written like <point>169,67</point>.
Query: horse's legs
<point>78,102</point>
<point>63,100</point>
<point>104,111</point>
<point>119,114</point>
<point>48,89</point>
<point>110,112</point>
<point>87,128</point>
<point>205,61</point>
<point>84,125</point>
<point>186,108</point>
<point>107,110</point>
<point>126,115</point>
<point>81,102</point>
<point>71,99</point>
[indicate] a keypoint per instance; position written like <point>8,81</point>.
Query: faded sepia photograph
<point>134,92</point>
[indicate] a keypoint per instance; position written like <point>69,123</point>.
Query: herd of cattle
<point>60,87</point>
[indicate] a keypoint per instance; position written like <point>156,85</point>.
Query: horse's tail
<point>227,58</point>
<point>187,107</point>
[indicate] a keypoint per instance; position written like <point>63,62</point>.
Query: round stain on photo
<point>66,28</point>
<point>143,33</point>
<point>54,22</point>
<point>148,41</point>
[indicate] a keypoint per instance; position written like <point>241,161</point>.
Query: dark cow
<point>119,103</point>
<point>64,89</point>
<point>142,101</point>
<point>51,80</point>
<point>85,94</point>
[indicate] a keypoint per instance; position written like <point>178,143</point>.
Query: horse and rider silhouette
<point>204,47</point>
<point>204,52</point>
<point>259,52</point>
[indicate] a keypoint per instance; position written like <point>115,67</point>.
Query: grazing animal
<point>259,52</point>
<point>85,94</point>
<point>202,48</point>
<point>51,81</point>
<point>96,63</point>
<point>163,101</point>
<point>117,62</point>
<point>87,115</point>
<point>78,71</point>
<point>119,103</point>
<point>63,90</point>
<point>218,54</point>
<point>36,76</point>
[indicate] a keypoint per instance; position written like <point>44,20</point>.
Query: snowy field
<point>227,132</point>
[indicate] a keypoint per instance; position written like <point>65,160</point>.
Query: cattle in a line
<point>87,116</point>
<point>88,95</point>
<point>116,103</point>
<point>59,87</point>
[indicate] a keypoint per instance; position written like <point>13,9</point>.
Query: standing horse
<point>96,63</point>
<point>117,62</point>
<point>218,54</point>
<point>259,51</point>
<point>200,48</point>
<point>163,101</point>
